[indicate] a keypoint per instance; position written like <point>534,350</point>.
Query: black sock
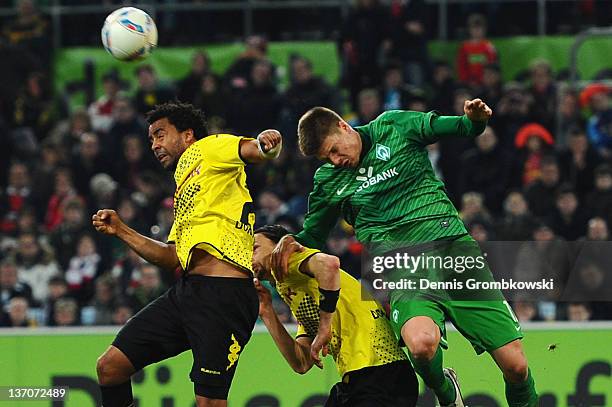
<point>117,396</point>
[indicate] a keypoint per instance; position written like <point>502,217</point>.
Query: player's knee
<point>422,346</point>
<point>516,371</point>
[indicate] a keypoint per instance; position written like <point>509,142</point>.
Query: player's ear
<point>189,136</point>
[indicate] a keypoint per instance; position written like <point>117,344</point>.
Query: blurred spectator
<point>66,312</point>
<point>541,193</point>
<point>10,286</point>
<point>64,238</point>
<point>443,88</point>
<point>394,92</point>
<point>534,142</point>
<point>579,312</point>
<point>150,287</point>
<point>599,201</point>
<point>257,106</point>
<point>361,36</point>
<point>103,192</point>
<point>35,265</point>
<point>568,220</point>
<point>525,311</point>
<point>124,271</point>
<point>44,172</point>
<point>17,316</point>
<point>239,74</point>
<point>134,160</point>
<point>480,230</point>
<point>87,161</point>
<point>188,86</point>
<point>34,108</point>
<point>164,220</point>
<point>63,191</point>
<point>271,207</point>
<point>104,300</point>
<point>512,113</point>
<point>150,92</point>
<point>83,268</point>
<point>546,257</point>
<point>578,162</point>
<point>408,40</point>
<point>213,100</point>
<point>544,93</point>
<point>570,117</point>
<point>517,223</point>
<point>369,106</point>
<point>68,134</point>
<point>599,124</point>
<point>121,313</point>
<point>472,207</point>
<point>30,30</point>
<point>58,288</point>
<point>305,91</point>
<point>486,169</point>
<point>101,112</point>
<point>491,89</point>
<point>125,122</point>
<point>16,195</point>
<point>475,52</point>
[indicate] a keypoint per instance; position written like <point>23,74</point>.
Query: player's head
<point>173,127</point>
<point>266,238</point>
<point>324,134</point>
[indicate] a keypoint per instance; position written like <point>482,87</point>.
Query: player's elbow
<point>330,264</point>
<point>302,368</point>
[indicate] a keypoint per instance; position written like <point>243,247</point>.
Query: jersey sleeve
<point>172,234</point>
<point>321,216</point>
<point>223,150</point>
<point>296,259</point>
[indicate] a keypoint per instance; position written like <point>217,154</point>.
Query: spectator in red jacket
<point>475,53</point>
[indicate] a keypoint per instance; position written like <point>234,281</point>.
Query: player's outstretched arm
<point>296,352</point>
<point>471,124</point>
<point>161,254</point>
<point>326,270</point>
<point>267,146</point>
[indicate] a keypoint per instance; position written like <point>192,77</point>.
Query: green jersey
<point>393,194</point>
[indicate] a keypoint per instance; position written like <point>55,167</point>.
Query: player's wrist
<point>268,154</point>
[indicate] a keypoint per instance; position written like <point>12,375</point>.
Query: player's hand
<point>107,221</point>
<point>477,111</point>
<point>269,140</point>
<point>321,341</point>
<point>281,253</point>
<point>265,298</point>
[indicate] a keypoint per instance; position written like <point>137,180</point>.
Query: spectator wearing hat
<point>475,53</point>
<point>599,125</point>
<point>533,142</point>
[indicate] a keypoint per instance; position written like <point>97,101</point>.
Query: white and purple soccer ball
<point>129,34</point>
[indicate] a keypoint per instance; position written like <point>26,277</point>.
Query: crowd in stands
<point>540,175</point>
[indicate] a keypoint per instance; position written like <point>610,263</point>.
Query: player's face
<point>341,148</point>
<point>262,251</point>
<point>167,142</point>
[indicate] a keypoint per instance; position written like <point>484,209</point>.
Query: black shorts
<point>390,385</point>
<point>212,316</point>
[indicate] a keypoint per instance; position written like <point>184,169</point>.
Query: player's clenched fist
<point>107,221</point>
<point>270,143</point>
<point>477,110</point>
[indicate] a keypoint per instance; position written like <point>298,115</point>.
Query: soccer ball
<point>129,34</point>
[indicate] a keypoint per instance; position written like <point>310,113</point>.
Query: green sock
<point>522,394</point>
<point>433,376</point>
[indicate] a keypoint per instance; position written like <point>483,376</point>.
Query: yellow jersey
<point>361,334</point>
<point>213,209</point>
